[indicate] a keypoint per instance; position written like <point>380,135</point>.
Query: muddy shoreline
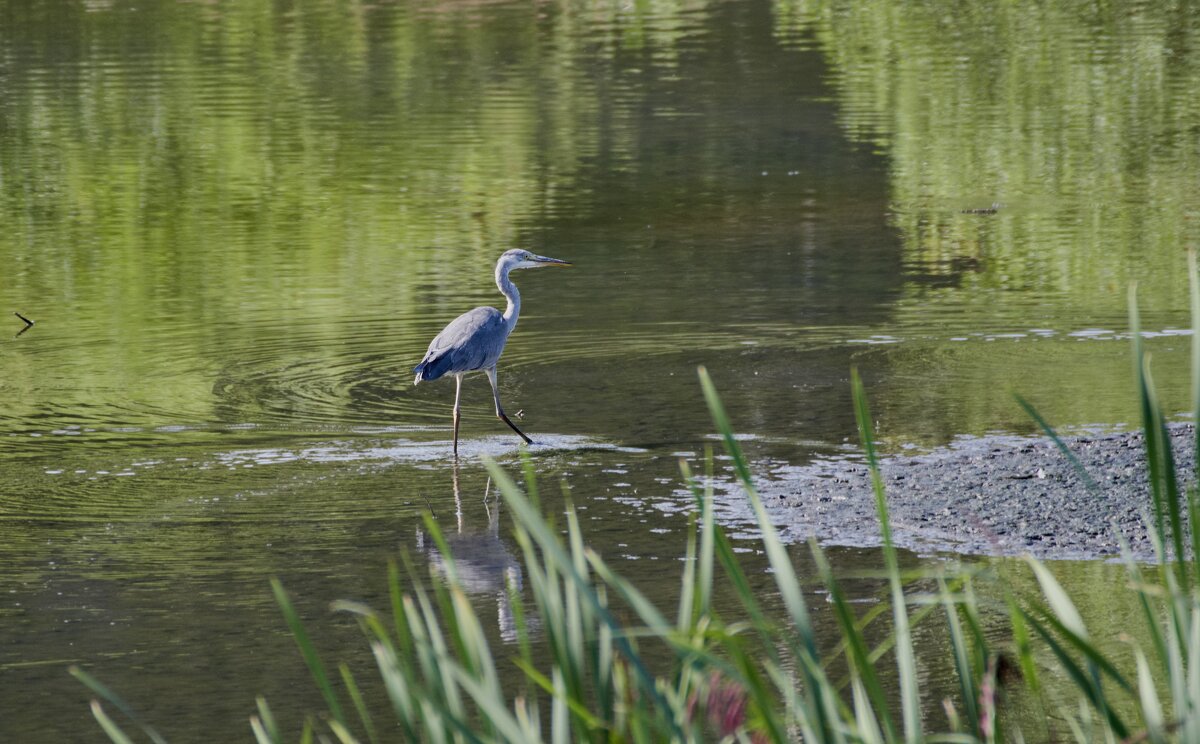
<point>1005,495</point>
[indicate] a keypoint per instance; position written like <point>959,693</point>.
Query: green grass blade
<point>436,654</point>
<point>784,574</point>
<point>264,725</point>
<point>577,612</point>
<point>474,641</point>
<point>1151,706</point>
<point>685,615</point>
<point>1147,416</point>
<point>342,733</point>
<point>1085,682</point>
<point>1163,487</point>
<point>559,720</point>
<point>1095,658</point>
<point>517,603</point>
<point>308,651</point>
<point>962,659</point>
<point>1060,603</point>
<point>706,551</point>
<point>864,715</point>
<point>1158,447</point>
<point>1021,642</point>
<point>399,618</point>
<point>1149,615</point>
<point>643,607</point>
<point>536,527</point>
<point>103,691</point>
<point>1088,482</point>
<point>1191,728</point>
<point>578,708</point>
<point>112,729</point>
<point>359,704</point>
<point>858,657</point>
<point>508,726</point>
<point>707,535</point>
<point>1194,292</point>
<point>746,598</point>
<point>1194,491</point>
<point>765,697</point>
<point>910,699</point>
<point>1193,507</point>
<point>399,691</point>
<point>260,732</point>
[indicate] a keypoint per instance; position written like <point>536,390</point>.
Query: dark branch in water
<point>28,324</point>
<point>984,210</point>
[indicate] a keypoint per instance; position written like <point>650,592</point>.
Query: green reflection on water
<point>1075,122</point>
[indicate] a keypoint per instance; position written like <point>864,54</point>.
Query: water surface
<point>237,225</point>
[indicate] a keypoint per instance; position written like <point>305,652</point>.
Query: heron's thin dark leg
<point>491,373</point>
<point>457,395</point>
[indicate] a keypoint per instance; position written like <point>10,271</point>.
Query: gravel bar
<point>997,495</point>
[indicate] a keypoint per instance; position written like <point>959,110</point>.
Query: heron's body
<point>472,341</point>
<point>475,340</point>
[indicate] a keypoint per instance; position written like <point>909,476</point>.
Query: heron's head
<point>519,258</point>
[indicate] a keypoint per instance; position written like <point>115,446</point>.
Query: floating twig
<point>984,210</point>
<point>28,323</point>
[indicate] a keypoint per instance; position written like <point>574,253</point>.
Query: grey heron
<point>474,340</point>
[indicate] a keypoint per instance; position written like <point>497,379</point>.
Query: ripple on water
<point>204,483</point>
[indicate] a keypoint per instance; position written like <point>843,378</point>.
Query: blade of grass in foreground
<point>1159,459</point>
<point>531,521</point>
<point>781,564</point>
<point>113,730</point>
<point>789,584</point>
<point>1152,711</point>
<point>1194,291</point>
<point>862,668</point>
<point>315,667</point>
<point>1088,482</point>
<point>910,699</point>
<point>103,691</point>
<point>961,656</point>
<point>266,731</point>
<point>1194,491</point>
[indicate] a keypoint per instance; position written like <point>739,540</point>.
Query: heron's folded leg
<point>491,373</point>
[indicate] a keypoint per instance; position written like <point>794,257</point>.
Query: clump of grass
<point>585,675</point>
<point>751,678</point>
<point>1124,704</point>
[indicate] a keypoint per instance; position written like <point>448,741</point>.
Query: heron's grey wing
<point>471,341</point>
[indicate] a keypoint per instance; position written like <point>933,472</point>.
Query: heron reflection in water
<point>474,340</point>
<point>483,564</point>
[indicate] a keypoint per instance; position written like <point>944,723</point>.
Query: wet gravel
<point>992,495</point>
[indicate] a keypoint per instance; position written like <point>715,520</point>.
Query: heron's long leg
<point>457,395</point>
<point>491,373</point>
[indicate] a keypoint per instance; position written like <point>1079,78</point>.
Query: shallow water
<point>238,225</point>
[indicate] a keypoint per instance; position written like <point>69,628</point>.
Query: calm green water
<point>238,225</point>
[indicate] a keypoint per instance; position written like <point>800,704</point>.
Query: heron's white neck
<point>509,290</point>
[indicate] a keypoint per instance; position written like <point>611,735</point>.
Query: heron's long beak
<point>547,261</point>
